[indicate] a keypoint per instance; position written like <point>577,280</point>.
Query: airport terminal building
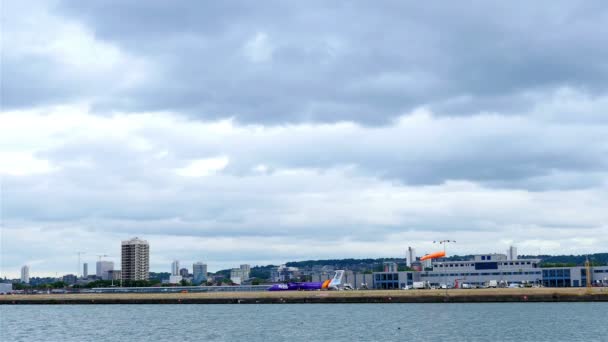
<point>484,269</point>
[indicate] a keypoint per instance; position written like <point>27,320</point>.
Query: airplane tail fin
<point>337,280</point>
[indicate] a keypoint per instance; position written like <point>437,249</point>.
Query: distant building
<point>175,267</point>
<point>246,269</point>
<point>480,270</point>
<point>85,270</point>
<point>114,275</point>
<point>183,272</point>
<point>25,274</point>
<point>102,268</point>
<point>236,275</point>
<point>417,265</point>
<point>135,256</point>
<point>70,279</point>
<point>512,253</point>
<point>284,273</point>
<point>199,272</point>
<point>175,279</point>
<point>241,274</point>
<point>410,256</point>
<point>390,266</point>
<point>6,288</point>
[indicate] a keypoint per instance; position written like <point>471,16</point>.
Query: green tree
<point>58,285</point>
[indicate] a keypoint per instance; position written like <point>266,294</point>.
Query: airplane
<point>332,284</point>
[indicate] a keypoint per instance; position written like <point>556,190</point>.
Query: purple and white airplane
<point>332,284</point>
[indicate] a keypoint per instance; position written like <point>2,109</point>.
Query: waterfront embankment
<point>311,297</point>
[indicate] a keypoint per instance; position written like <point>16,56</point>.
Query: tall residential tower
<point>135,259</point>
<point>175,268</point>
<point>512,253</point>
<point>25,274</point>
<point>410,257</point>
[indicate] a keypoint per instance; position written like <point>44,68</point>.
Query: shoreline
<point>322,297</point>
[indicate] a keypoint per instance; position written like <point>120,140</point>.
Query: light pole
<point>445,274</point>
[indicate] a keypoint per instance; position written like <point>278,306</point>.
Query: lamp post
<point>445,274</point>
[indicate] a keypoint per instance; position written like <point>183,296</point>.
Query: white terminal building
<point>484,269</point>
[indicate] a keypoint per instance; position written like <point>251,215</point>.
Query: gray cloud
<point>342,61</point>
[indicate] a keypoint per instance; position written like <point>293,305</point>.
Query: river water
<point>307,322</point>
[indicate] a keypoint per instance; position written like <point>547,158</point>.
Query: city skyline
<point>103,266</point>
<point>258,133</point>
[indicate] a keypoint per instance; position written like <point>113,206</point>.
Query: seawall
<point>324,297</point>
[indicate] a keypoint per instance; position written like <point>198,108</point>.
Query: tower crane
<point>78,269</point>
<point>99,256</point>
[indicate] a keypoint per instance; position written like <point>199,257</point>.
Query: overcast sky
<point>262,132</point>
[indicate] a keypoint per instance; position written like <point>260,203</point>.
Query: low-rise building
<point>487,269</point>
<point>284,273</point>
<point>70,278</point>
<point>6,288</point>
<point>175,279</point>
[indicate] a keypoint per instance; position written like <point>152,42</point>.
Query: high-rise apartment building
<point>85,270</point>
<point>25,274</point>
<point>135,255</point>
<point>410,256</point>
<point>512,253</point>
<point>199,272</point>
<point>175,268</point>
<point>102,268</point>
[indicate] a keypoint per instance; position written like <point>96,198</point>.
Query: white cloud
<point>22,164</point>
<point>259,48</point>
<point>250,193</point>
<point>203,167</point>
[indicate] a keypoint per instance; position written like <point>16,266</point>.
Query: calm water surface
<point>301,322</point>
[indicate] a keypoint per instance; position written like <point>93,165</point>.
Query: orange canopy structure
<point>433,255</point>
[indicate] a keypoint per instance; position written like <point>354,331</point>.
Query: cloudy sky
<point>264,132</point>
